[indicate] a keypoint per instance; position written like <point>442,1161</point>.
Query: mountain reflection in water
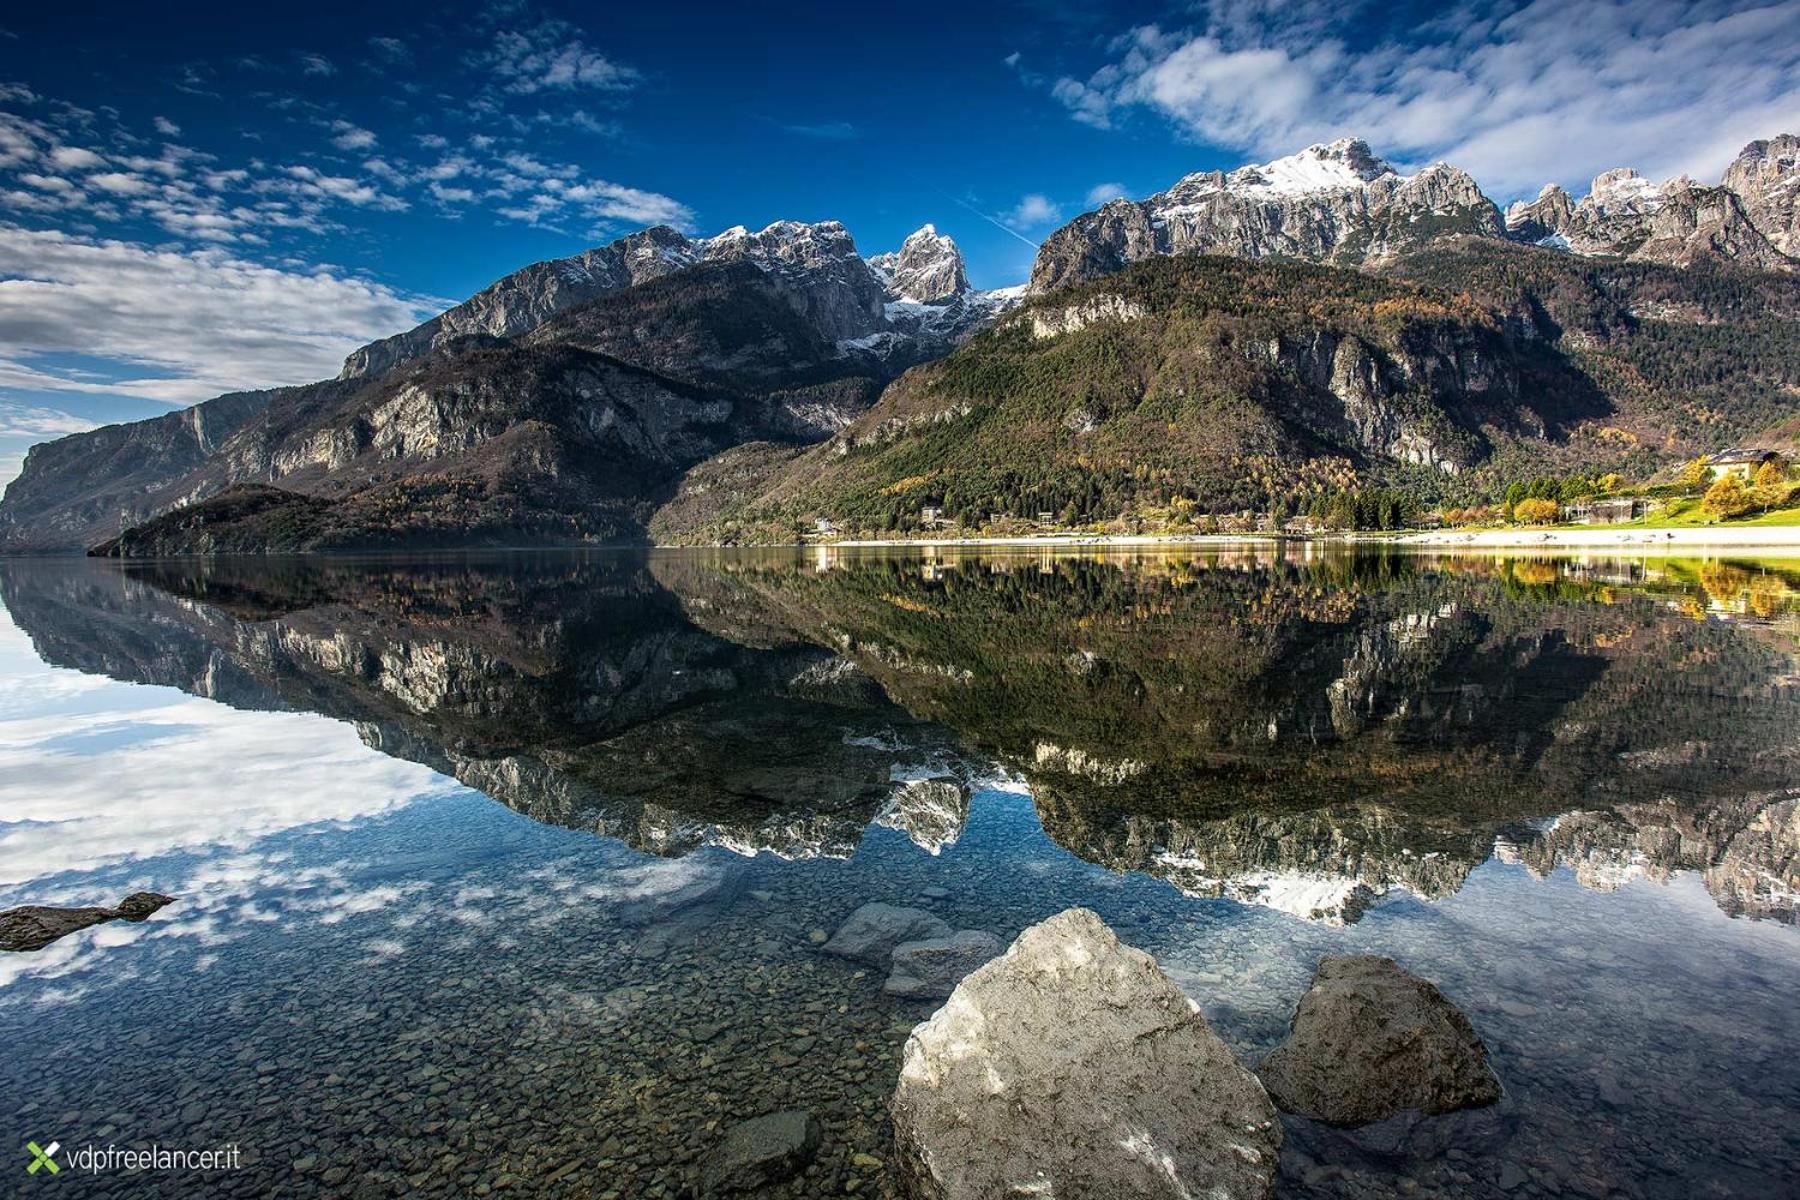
<point>1310,732</point>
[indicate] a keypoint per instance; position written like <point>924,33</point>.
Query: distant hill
<point>1213,385</point>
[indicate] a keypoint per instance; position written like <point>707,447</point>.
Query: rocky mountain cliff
<point>1340,204</point>
<point>110,478</point>
<point>625,364</point>
<point>1750,217</point>
<point>785,335</point>
<point>1335,203</point>
<point>927,268</point>
<point>815,266</point>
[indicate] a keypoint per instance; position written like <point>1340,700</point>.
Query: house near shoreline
<point>1617,510</point>
<point>1741,462</point>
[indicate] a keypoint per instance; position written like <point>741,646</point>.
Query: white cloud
<point>317,64</point>
<point>75,158</point>
<point>350,136</point>
<point>551,56</point>
<point>1032,211</point>
<point>313,182</point>
<point>603,200</point>
<point>1100,193</point>
<point>119,183</point>
<point>167,127</point>
<point>1515,94</point>
<point>183,325</point>
<point>22,420</point>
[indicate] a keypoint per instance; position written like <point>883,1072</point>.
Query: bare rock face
<point>1371,1040</point>
<point>871,932</point>
<point>1336,204</point>
<point>35,926</point>
<point>1072,1066</point>
<point>86,487</point>
<point>931,968</point>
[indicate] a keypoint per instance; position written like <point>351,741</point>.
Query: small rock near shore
<point>870,934</point>
<point>931,968</point>
<point>1370,1040</point>
<point>759,1153</point>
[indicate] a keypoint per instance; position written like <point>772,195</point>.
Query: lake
<point>506,874</point>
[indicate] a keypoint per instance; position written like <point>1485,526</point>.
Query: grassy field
<point>1687,514</point>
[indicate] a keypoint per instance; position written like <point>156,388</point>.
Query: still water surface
<point>505,875</point>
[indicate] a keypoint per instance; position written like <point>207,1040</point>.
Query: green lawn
<point>1687,514</point>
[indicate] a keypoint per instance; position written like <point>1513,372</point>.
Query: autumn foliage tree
<point>1726,498</point>
<point>1695,472</point>
<point>1536,512</point>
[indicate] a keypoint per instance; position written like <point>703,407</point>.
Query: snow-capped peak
<point>1624,188</point>
<point>928,268</point>
<point>1345,163</point>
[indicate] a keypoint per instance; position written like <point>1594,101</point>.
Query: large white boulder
<point>1072,1066</point>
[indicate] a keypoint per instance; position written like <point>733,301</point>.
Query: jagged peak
<point>927,268</point>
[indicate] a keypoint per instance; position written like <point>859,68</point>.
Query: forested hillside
<point>1187,390</point>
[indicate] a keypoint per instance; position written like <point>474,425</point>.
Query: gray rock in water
<point>1072,1066</point>
<point>35,926</point>
<point>870,933</point>
<point>760,1153</point>
<point>1371,1040</point>
<point>931,968</point>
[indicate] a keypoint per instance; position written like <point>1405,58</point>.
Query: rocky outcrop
<point>1371,1040</point>
<point>931,968</point>
<point>927,269</point>
<point>83,488</point>
<point>532,295</point>
<point>1073,1066</point>
<point>1748,218</point>
<point>760,1153</point>
<point>1543,221</point>
<point>1766,177</point>
<point>1337,204</point>
<point>909,304</point>
<point>1054,322</point>
<point>35,926</point>
<point>870,934</point>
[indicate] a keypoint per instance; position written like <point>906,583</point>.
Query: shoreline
<point>1780,537</point>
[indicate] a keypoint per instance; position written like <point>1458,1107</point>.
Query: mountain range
<point>1316,322</point>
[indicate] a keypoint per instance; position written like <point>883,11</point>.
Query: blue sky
<point>199,198</point>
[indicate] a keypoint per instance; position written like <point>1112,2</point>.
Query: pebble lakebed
<point>587,1048</point>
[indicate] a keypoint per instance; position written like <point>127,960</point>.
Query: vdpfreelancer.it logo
<point>43,1158</point>
<point>106,1159</point>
